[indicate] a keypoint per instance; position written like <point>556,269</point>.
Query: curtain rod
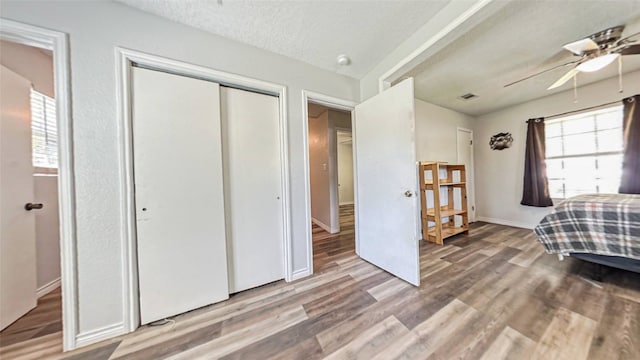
<point>585,109</point>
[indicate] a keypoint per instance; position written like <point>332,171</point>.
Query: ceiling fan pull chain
<point>620,89</point>
<point>575,88</point>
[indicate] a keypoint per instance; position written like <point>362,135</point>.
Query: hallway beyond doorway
<point>327,248</point>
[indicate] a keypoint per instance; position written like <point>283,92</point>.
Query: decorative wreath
<point>501,141</point>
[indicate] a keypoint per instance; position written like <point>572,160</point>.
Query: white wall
<point>47,229</point>
<point>437,131</point>
<point>319,175</point>
<point>345,173</point>
<point>499,173</point>
<point>32,63</point>
<point>95,29</point>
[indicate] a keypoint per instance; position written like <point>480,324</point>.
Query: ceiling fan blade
<point>626,38</point>
<point>571,73</point>
<point>542,72</point>
<point>581,46</point>
<point>631,50</point>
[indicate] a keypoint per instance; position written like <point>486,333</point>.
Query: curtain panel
<point>535,191</point>
<point>630,181</point>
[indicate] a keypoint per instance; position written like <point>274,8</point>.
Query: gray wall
<point>47,229</point>
<point>319,177</point>
<point>95,29</point>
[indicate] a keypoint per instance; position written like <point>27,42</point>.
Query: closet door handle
<point>408,193</point>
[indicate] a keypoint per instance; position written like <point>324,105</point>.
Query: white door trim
<point>124,60</point>
<point>334,103</point>
<point>472,218</point>
<point>58,43</point>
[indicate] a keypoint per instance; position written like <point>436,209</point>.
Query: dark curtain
<point>536,185</point>
<point>630,182</point>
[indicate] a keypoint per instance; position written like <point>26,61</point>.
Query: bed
<point>600,228</point>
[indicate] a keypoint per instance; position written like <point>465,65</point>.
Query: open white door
<point>387,182</point>
<point>182,258</point>
<point>17,232</point>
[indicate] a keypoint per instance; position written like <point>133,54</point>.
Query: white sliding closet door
<point>253,188</point>
<point>182,260</point>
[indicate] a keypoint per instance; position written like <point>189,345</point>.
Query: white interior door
<point>182,260</point>
<point>253,188</point>
<point>384,142</point>
<point>465,156</point>
<point>17,232</point>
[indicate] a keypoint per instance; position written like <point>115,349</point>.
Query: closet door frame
<point>125,60</point>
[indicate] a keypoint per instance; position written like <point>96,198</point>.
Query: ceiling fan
<point>595,52</point>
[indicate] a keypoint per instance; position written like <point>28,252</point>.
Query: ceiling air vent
<point>468,96</point>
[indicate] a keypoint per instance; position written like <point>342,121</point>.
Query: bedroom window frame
<point>44,133</point>
<point>593,116</point>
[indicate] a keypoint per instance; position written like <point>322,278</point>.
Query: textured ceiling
<point>522,38</point>
<point>315,32</point>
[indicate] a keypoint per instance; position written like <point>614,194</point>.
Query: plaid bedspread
<point>606,224</point>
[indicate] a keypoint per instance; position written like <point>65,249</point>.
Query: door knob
<point>408,193</point>
<point>31,206</point>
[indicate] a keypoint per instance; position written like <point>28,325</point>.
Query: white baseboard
<point>104,333</point>
<point>324,226</point>
<point>47,288</point>
<point>346,203</point>
<point>504,222</point>
<point>299,274</point>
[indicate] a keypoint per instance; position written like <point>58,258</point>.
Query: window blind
<point>44,131</point>
<point>584,153</point>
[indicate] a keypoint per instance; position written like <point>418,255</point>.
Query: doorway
<point>331,184</point>
<point>30,286</point>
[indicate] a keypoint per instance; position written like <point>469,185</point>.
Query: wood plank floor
<point>493,294</point>
<point>329,248</point>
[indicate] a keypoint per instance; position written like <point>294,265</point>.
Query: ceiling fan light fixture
<point>597,63</point>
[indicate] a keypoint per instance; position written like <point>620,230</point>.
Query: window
<point>44,132</point>
<point>584,153</point>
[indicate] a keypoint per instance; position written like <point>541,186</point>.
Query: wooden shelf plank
<point>448,231</point>
<point>443,183</point>
<point>445,213</point>
<point>428,163</point>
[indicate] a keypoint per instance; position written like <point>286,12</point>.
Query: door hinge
<point>470,142</point>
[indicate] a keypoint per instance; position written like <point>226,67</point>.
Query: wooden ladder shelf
<point>442,221</point>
